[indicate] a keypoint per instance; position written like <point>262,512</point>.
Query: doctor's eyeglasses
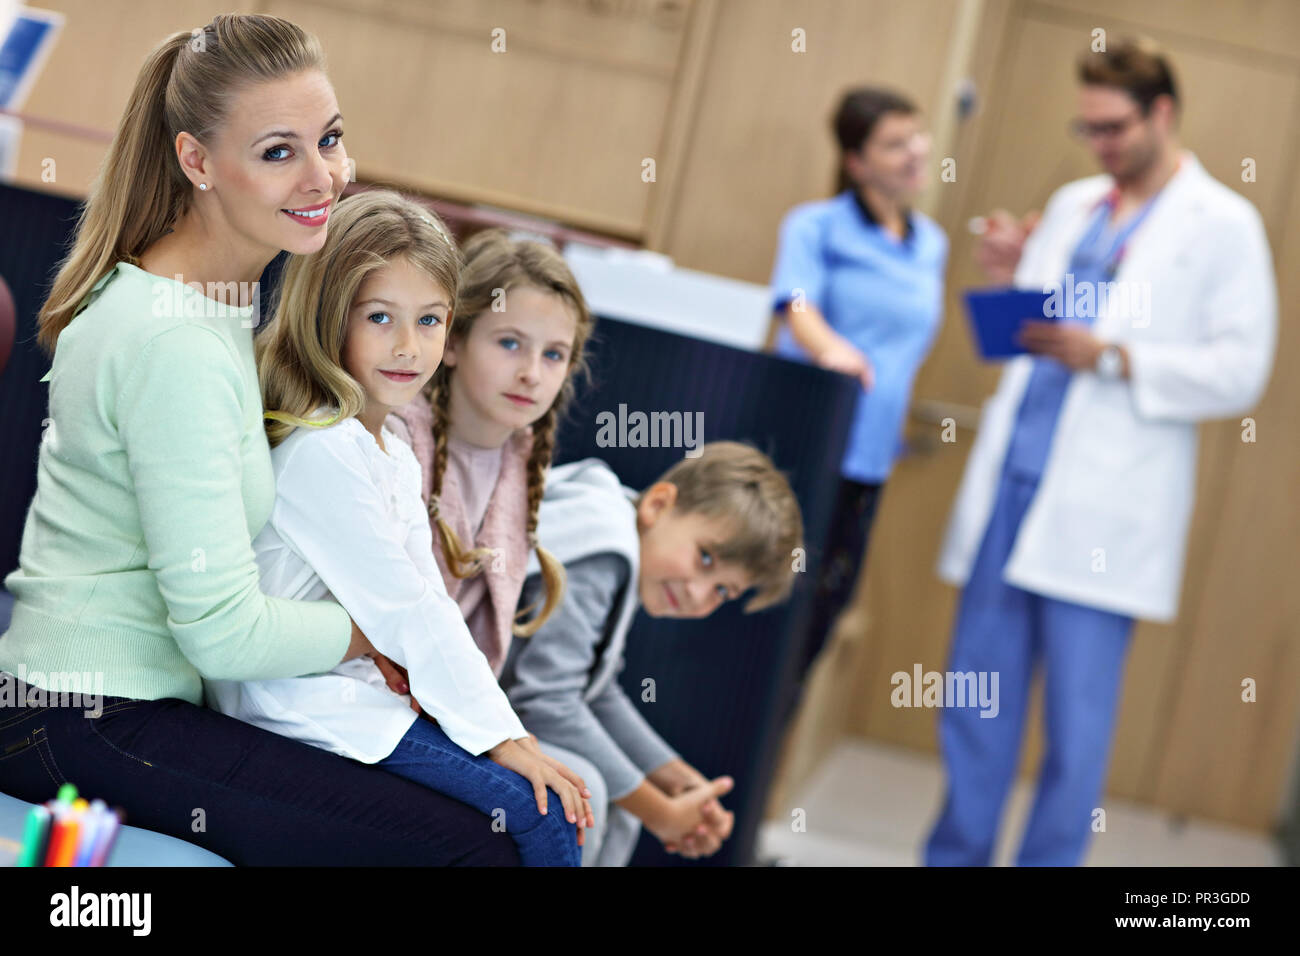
<point>1110,129</point>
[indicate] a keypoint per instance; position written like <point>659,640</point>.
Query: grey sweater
<point>563,681</point>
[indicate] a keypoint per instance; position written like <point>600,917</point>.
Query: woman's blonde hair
<point>187,84</point>
<point>300,353</point>
<point>495,264</point>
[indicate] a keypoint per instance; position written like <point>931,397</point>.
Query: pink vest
<point>488,600</point>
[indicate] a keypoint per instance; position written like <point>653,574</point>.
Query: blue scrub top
<point>882,293</point>
<point>1095,260</point>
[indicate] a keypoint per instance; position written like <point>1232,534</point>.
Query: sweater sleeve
<point>180,418</point>
<point>552,668</point>
<point>628,728</point>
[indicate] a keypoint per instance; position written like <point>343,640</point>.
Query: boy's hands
<point>537,771</point>
<point>687,819</point>
<point>677,777</point>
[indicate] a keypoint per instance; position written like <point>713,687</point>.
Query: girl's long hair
<point>300,353</point>
<point>495,264</point>
<point>187,84</point>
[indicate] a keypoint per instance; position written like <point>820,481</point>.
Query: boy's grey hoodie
<point>563,681</point>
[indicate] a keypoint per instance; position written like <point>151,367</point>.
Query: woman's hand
<point>540,774</point>
<point>841,356</point>
<point>395,677</point>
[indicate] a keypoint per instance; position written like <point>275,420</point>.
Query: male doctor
<point>1071,519</point>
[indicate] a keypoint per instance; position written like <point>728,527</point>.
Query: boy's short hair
<point>736,482</point>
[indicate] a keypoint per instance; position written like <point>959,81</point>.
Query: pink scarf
<point>488,600</point>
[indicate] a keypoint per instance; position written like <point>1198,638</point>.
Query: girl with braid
<point>484,431</point>
<point>359,327</point>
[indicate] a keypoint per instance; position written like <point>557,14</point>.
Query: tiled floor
<point>872,805</point>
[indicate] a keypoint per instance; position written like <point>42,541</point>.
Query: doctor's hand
<point>840,356</point>
<point>1000,245</point>
<point>1070,343</point>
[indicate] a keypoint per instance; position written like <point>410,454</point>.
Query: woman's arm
<point>799,279</point>
<point>180,417</point>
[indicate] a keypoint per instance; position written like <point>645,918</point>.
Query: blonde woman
<point>154,474</point>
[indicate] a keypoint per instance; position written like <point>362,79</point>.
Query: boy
<point>710,529</point>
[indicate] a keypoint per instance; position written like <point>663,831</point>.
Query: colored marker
<point>35,832</point>
<point>71,831</point>
<point>58,830</point>
<point>94,822</point>
<point>107,837</point>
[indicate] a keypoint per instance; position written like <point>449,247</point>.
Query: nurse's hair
<point>495,264</point>
<point>1135,65</point>
<point>859,111</point>
<point>739,485</point>
<point>300,353</point>
<point>187,84</point>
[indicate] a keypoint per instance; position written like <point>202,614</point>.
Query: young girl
<point>484,431</point>
<point>359,328</point>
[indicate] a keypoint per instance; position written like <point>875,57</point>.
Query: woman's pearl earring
<point>203,186</point>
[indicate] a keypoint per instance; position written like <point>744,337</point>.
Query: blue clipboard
<point>996,316</point>
<point>24,47</point>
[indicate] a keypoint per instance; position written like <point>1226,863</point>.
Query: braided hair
<point>495,263</point>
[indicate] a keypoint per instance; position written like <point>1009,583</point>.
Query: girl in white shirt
<point>358,330</point>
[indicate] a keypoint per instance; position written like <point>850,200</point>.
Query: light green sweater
<point>153,477</point>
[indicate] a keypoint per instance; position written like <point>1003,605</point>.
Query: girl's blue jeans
<point>428,756</point>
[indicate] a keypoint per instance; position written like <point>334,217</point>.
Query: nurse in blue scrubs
<point>858,288</point>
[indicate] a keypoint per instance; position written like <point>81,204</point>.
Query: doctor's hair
<point>740,485</point>
<point>1135,65</point>
<point>857,115</point>
<point>494,265</point>
<point>187,84</point>
<point>300,353</point>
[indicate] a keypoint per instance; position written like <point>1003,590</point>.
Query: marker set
<point>69,831</point>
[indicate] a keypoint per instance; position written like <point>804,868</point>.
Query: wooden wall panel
<point>761,139</point>
<point>88,79</point>
<point>557,125</point>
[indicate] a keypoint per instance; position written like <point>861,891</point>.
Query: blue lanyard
<point>1115,254</point>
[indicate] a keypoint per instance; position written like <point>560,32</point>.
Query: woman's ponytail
<point>135,197</point>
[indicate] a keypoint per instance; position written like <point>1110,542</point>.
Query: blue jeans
<point>428,756</point>
<point>267,800</point>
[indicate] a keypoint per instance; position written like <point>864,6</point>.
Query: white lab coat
<point>1108,525</point>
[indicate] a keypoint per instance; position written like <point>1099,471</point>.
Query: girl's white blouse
<point>349,524</point>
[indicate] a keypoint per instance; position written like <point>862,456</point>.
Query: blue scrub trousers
<point>1009,630</point>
